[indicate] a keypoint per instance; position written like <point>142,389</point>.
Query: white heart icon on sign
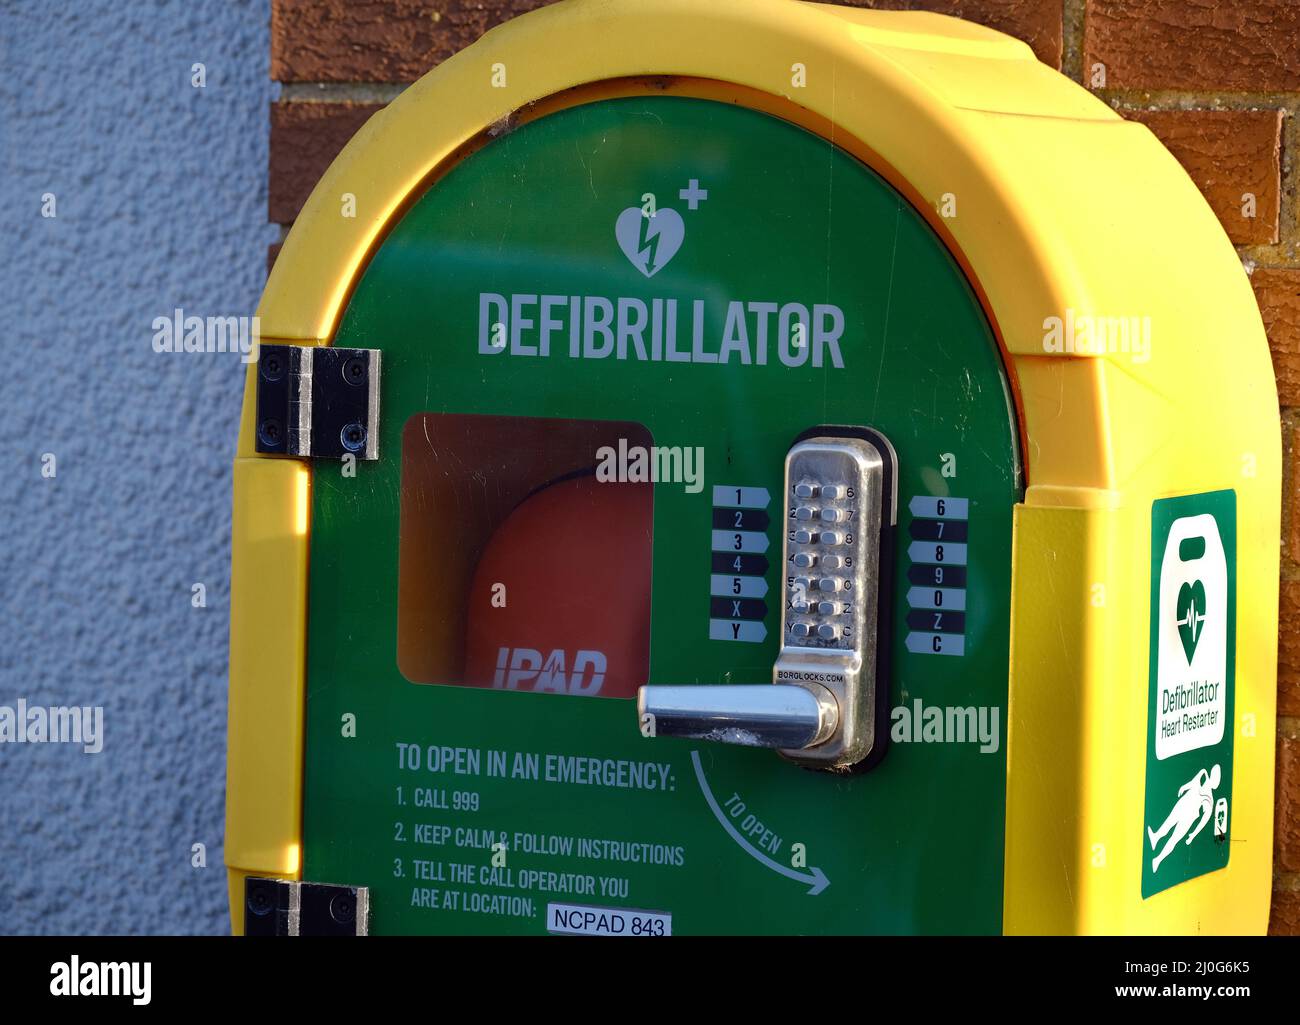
<point>649,242</point>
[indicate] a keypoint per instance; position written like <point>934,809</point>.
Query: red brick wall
<point>1217,80</point>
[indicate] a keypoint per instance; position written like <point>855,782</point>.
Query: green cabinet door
<point>530,310</point>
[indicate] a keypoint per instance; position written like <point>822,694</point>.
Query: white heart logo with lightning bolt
<point>649,242</point>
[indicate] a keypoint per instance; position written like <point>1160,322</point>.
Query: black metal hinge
<point>317,401</point>
<point>283,907</point>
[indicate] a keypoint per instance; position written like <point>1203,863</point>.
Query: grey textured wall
<point>161,203</point>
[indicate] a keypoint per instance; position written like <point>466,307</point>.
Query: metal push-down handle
<point>754,715</point>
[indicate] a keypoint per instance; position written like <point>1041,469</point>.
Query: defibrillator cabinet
<point>753,467</point>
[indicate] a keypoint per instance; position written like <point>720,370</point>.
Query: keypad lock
<point>828,708</point>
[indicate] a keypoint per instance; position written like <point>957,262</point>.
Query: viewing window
<point>522,567</point>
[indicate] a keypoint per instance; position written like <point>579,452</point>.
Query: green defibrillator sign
<point>1190,709</point>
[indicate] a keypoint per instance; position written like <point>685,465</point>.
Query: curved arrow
<point>815,877</point>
